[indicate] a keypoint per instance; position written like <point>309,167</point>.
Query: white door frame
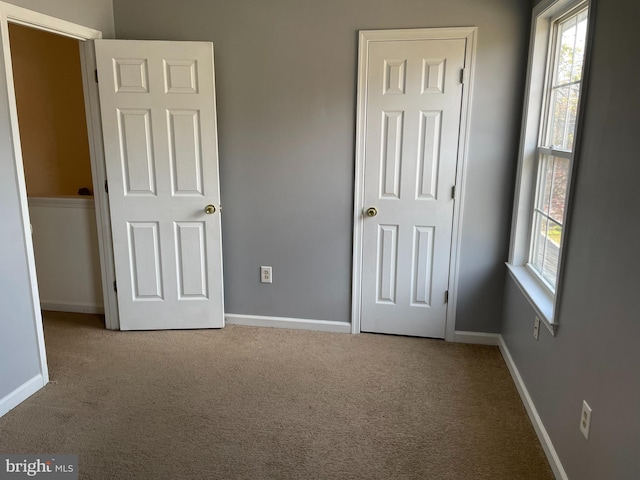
<point>366,38</point>
<point>10,13</point>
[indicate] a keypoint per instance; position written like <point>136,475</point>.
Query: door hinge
<point>106,186</point>
<point>453,192</point>
<point>115,286</point>
<point>462,76</point>
<point>446,296</point>
<point>96,74</point>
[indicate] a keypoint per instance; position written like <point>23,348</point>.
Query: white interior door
<point>159,124</point>
<point>412,124</point>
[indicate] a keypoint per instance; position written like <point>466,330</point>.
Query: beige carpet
<point>258,403</point>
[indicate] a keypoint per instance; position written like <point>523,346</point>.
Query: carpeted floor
<point>258,403</point>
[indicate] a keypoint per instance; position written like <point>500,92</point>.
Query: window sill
<point>538,296</point>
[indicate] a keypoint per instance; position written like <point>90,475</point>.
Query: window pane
<point>566,50</point>
<point>560,181</point>
<point>552,253</point>
<point>571,46</point>
<point>563,113</point>
<point>547,236</point>
<point>539,241</point>
<point>545,183</point>
<point>580,46</point>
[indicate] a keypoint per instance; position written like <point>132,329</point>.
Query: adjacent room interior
<point>55,152</point>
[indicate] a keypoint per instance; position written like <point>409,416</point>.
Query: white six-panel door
<point>159,124</point>
<point>412,123</point>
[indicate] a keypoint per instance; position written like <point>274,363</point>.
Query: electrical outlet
<point>266,274</point>
<point>536,327</point>
<point>585,419</point>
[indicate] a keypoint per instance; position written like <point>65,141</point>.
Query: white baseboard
<point>543,436</point>
<point>477,338</point>
<point>285,322</point>
<point>20,394</point>
<point>71,307</point>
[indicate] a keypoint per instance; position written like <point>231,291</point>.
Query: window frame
<point>542,53</point>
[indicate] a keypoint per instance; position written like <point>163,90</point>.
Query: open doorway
<point>47,75</point>
<point>22,340</point>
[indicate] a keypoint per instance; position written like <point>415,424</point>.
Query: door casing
<point>10,13</point>
<point>469,34</point>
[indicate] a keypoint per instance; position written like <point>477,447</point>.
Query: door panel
<point>412,123</point>
<point>136,152</point>
<point>159,125</point>
<point>433,76</point>
<point>144,250</point>
<point>192,259</point>
<point>181,76</point>
<point>131,75</point>
<point>428,155</point>
<point>184,151</point>
<point>422,265</point>
<point>391,154</point>
<point>387,261</point>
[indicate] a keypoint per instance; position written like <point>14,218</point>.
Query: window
<point>556,147</point>
<point>557,57</point>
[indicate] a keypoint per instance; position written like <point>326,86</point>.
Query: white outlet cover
<point>585,419</point>
<point>266,274</point>
<point>536,327</point>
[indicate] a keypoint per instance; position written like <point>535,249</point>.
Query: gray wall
<point>286,90</point>
<point>595,355</point>
<point>19,357</point>
<point>97,14</point>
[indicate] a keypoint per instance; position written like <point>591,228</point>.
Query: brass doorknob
<point>371,212</point>
<point>209,209</point>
